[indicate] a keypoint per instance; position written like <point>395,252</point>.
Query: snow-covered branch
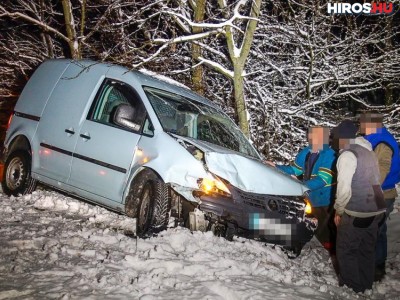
<point>44,26</point>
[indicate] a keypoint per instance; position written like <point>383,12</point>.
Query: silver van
<point>151,150</point>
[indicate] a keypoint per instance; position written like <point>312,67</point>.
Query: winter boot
<point>379,272</point>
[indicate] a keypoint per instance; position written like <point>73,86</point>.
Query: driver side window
<point>110,96</point>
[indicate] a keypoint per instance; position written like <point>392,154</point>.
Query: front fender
<point>169,159</point>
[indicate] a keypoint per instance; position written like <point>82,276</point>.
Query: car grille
<point>287,205</point>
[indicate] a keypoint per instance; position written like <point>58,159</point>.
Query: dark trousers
<point>355,251</point>
<point>381,243</point>
<point>326,231</point>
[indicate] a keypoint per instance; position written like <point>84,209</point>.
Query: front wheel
<point>149,201</point>
<point>17,178</point>
<point>293,251</point>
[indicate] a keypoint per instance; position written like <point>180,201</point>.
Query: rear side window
<point>111,94</point>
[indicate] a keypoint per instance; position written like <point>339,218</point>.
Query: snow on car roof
<point>163,82</point>
<point>163,78</point>
<point>146,78</point>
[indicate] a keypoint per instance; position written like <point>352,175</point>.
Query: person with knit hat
<point>359,207</point>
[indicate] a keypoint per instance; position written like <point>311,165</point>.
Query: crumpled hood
<point>245,173</point>
<point>253,176</point>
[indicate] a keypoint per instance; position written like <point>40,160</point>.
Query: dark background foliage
<point>305,67</point>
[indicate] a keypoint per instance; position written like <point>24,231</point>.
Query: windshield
<point>188,118</point>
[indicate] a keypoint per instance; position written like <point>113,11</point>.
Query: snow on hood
<point>247,174</point>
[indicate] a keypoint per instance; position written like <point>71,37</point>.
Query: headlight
<point>308,208</point>
<point>212,184</point>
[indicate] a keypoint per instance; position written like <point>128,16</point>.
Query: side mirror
<point>151,127</point>
<point>123,116</point>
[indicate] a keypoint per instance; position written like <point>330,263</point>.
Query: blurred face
<point>344,143</point>
<point>368,127</point>
<point>318,137</point>
<point>370,123</point>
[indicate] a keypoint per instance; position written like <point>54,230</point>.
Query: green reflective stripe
<point>329,171</point>
<point>297,172</point>
<point>297,166</point>
<point>328,178</point>
<point>297,169</point>
<point>320,172</point>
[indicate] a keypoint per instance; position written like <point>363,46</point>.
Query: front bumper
<point>273,219</point>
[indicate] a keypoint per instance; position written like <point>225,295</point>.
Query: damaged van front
<point>149,149</point>
<point>208,161</point>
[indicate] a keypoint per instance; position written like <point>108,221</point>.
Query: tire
<point>293,251</point>
<point>162,204</point>
<point>149,201</point>
<point>17,178</point>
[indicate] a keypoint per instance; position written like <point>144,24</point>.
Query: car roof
<point>156,82</point>
<point>145,79</point>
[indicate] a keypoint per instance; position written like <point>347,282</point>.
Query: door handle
<point>85,136</point>
<point>70,131</point>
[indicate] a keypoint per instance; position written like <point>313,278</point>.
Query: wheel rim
<point>15,173</point>
<point>144,208</point>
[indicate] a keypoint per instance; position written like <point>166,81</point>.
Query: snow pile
<point>55,202</point>
<point>53,246</point>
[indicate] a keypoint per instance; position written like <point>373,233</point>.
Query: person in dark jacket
<point>359,206</point>
<point>315,164</point>
<point>387,151</point>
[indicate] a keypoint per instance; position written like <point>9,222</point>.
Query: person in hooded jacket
<point>387,151</point>
<point>359,206</point>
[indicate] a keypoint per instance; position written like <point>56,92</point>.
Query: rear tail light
<point>9,120</point>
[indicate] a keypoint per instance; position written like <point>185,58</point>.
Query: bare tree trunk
<point>83,24</point>
<point>310,72</point>
<point>46,37</point>
<point>238,57</point>
<point>389,46</point>
<point>71,31</point>
<point>240,103</point>
<point>197,73</point>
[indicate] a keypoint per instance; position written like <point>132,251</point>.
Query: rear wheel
<point>17,174</point>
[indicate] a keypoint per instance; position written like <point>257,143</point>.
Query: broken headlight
<point>308,207</point>
<point>213,185</point>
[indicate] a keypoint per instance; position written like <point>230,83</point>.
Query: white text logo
<point>374,8</point>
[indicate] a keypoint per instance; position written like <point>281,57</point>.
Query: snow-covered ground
<point>56,247</point>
